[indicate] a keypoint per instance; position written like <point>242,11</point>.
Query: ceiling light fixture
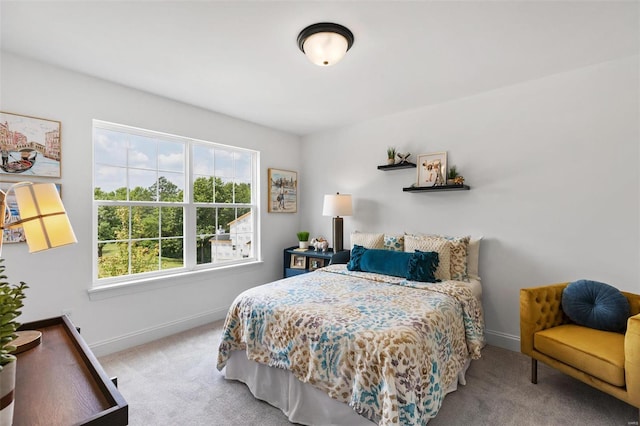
<point>325,43</point>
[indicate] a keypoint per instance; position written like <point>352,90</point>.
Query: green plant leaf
<point>11,297</point>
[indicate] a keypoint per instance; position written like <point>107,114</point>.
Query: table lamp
<point>337,205</point>
<point>45,224</point>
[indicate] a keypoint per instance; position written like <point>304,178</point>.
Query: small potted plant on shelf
<point>11,297</point>
<point>391,155</point>
<point>303,239</point>
<point>451,175</point>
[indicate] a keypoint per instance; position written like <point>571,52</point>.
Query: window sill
<point>153,283</point>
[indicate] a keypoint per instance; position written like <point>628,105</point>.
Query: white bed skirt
<point>300,402</point>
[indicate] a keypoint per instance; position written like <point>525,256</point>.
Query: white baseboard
<point>503,340</point>
<point>150,334</point>
<point>126,341</point>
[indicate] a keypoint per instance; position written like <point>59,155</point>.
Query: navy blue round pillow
<point>596,305</point>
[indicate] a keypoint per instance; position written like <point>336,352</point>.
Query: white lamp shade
<point>337,205</point>
<point>325,48</point>
<point>43,217</point>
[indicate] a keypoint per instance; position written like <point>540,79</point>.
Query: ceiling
<point>240,58</point>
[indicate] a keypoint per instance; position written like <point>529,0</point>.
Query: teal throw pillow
<point>422,266</point>
<point>356,254</point>
<point>418,266</point>
<point>596,305</point>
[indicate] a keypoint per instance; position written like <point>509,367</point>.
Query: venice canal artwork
<point>29,145</point>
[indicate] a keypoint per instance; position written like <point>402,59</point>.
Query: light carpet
<point>174,381</point>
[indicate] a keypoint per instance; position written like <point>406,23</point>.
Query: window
<point>164,204</point>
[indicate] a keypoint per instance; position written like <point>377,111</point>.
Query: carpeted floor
<point>174,381</point>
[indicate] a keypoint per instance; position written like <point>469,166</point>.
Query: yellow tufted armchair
<point>606,360</point>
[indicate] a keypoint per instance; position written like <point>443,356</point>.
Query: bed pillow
<point>393,242</point>
<point>418,266</point>
<point>458,261</point>
<point>368,240</point>
<point>596,305</point>
<point>430,243</point>
<point>473,255</point>
<point>422,266</point>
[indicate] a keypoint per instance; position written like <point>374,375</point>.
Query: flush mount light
<point>325,43</point>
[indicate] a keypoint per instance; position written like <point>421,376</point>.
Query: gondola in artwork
<point>19,165</point>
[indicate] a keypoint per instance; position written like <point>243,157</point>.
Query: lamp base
<point>26,340</point>
<point>337,233</point>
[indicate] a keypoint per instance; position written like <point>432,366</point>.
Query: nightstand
<point>301,262</point>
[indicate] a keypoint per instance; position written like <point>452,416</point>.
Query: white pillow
<point>473,253</point>
<point>431,243</point>
<point>368,240</point>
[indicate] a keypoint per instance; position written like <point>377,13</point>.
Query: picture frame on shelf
<point>30,146</point>
<point>316,263</point>
<point>283,191</point>
<point>298,261</point>
<point>432,169</point>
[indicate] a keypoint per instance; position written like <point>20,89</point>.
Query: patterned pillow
<point>459,250</point>
<point>368,240</point>
<point>431,243</point>
<point>394,242</point>
<point>473,254</point>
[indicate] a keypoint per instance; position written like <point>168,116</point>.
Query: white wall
<point>553,166</point>
<point>553,169</point>
<point>59,279</point>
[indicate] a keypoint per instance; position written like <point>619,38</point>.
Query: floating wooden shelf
<point>405,165</point>
<point>437,188</point>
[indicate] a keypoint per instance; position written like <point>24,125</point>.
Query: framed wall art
<point>283,191</point>
<point>15,235</point>
<point>29,146</point>
<point>432,169</point>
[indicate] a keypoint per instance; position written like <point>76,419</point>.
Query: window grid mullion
<point>229,161</point>
<point>189,227</point>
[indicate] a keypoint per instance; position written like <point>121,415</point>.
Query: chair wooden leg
<point>534,371</point>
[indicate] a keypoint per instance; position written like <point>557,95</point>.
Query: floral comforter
<point>386,346</point>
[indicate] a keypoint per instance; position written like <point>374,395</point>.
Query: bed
<point>340,346</point>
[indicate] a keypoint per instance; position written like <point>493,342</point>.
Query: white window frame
<point>189,219</point>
